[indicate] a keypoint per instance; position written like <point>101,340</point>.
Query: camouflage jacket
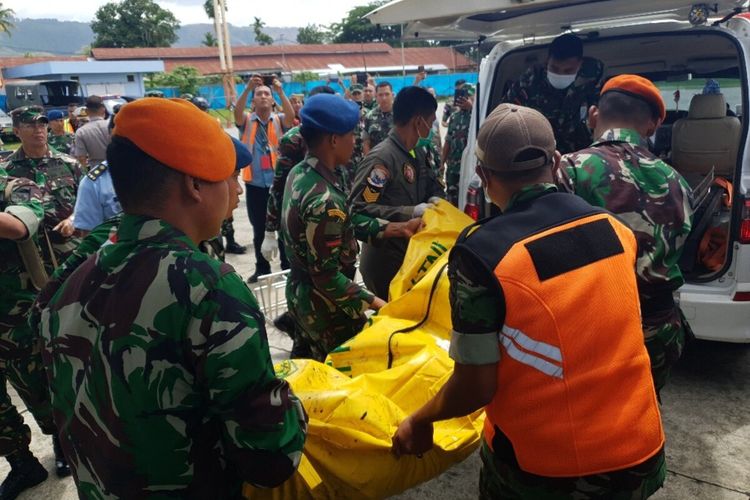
<point>619,173</point>
<point>292,150</point>
<point>369,106</point>
<point>566,109</point>
<point>160,373</point>
<point>457,137</point>
<point>377,125</point>
<point>61,143</point>
<point>24,201</point>
<point>26,204</point>
<point>358,153</point>
<point>320,236</point>
<point>57,175</point>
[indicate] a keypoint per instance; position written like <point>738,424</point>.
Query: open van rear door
<point>518,19</point>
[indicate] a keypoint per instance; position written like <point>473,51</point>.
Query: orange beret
<point>179,135</point>
<point>640,88</point>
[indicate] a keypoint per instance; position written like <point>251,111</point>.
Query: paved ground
<point>706,414</point>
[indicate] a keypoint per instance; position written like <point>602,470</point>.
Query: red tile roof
<point>294,57</point>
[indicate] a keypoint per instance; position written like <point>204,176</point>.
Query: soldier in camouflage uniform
<point>619,173</point>
<point>563,91</point>
<point>21,215</point>
<point>378,122</point>
<point>455,143</point>
<point>292,150</point>
<point>57,174</point>
<point>58,139</point>
<point>368,99</point>
<point>328,307</point>
<point>158,360</point>
<point>500,361</point>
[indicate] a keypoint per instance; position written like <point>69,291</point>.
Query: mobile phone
<point>420,68</point>
<point>362,78</point>
<point>268,80</point>
<point>459,94</point>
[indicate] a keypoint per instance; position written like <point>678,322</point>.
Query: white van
<point>677,44</point>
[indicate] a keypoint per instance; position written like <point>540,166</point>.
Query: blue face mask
<point>424,142</point>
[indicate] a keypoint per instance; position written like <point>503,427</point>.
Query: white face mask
<point>560,82</point>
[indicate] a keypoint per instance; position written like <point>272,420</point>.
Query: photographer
<point>260,131</point>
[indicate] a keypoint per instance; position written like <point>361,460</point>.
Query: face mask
<point>424,142</point>
<point>484,187</point>
<point>560,82</point>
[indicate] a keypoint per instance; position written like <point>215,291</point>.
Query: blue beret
<point>330,113</point>
<point>244,156</point>
<point>55,114</point>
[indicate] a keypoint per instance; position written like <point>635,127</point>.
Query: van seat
<point>706,138</point>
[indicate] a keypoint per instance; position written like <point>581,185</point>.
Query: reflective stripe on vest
<point>532,352</point>
<point>574,395</point>
<point>248,138</point>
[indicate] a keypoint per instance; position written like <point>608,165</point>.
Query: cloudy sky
<point>241,12</point>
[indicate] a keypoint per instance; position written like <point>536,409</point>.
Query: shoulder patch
<point>378,177</point>
<point>97,171</point>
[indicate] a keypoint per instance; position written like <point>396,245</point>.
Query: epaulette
<point>97,171</point>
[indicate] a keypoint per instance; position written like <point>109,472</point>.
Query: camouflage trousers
<point>21,365</point>
<point>665,333</point>
<point>318,320</point>
<point>27,376</point>
<point>500,480</point>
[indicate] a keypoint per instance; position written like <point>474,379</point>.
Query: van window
<point>677,95</point>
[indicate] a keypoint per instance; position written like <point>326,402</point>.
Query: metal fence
<point>443,85</point>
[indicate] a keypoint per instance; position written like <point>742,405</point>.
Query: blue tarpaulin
<point>443,85</point>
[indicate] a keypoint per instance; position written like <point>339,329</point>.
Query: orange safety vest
<point>248,138</point>
<point>575,395</point>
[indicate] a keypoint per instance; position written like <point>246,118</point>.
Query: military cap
<point>178,135</point>
<point>639,88</point>
<point>330,113</point>
<point>357,87</point>
<point>55,114</point>
<point>28,114</point>
<point>514,139</point>
<point>243,154</point>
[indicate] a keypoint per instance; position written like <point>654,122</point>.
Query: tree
<point>304,77</point>
<point>355,29</point>
<point>311,34</point>
<point>187,79</point>
<point>5,19</point>
<point>208,6</point>
<point>260,37</point>
<point>209,40</point>
<point>134,23</point>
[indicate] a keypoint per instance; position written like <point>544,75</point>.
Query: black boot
<point>25,472</point>
<point>285,323</point>
<point>234,247</point>
<point>62,469</point>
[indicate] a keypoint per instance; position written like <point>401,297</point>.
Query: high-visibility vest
<point>275,132</point>
<point>574,394</point>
